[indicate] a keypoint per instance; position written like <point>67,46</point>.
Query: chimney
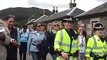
<point>56,11</point>
<point>53,9</point>
<point>72,4</point>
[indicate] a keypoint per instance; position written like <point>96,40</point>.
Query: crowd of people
<point>62,42</point>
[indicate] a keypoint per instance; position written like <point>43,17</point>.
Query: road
<point>30,58</point>
<point>48,57</point>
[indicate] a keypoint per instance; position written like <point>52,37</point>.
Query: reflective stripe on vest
<point>74,45</point>
<point>70,58</point>
<point>67,45</point>
<point>96,50</point>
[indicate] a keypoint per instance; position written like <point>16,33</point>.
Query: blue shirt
<point>24,36</point>
<point>34,39</point>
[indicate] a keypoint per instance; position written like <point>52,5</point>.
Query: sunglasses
<point>56,25</point>
<point>38,25</point>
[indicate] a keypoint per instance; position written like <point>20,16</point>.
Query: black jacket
<point>11,50</point>
<point>50,38</point>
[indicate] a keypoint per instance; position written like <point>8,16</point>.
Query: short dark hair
<point>9,16</point>
<point>34,26</point>
<point>24,26</point>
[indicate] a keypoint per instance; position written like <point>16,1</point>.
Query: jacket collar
<point>97,37</point>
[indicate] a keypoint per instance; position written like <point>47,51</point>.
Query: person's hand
<point>87,59</point>
<point>64,55</point>
<point>2,36</point>
<point>14,43</point>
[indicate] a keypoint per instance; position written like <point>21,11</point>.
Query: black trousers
<point>11,52</point>
<point>22,50</point>
<point>11,58</point>
<point>44,57</point>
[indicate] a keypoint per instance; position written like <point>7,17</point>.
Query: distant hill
<point>23,14</point>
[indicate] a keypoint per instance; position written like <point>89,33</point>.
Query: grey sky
<point>102,0</point>
<point>48,4</point>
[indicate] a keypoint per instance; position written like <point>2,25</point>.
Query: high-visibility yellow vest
<point>96,46</point>
<point>62,42</point>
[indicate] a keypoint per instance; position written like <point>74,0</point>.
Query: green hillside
<point>23,14</point>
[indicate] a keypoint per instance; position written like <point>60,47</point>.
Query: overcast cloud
<point>45,4</point>
<point>64,4</point>
<point>48,4</point>
<point>102,0</point>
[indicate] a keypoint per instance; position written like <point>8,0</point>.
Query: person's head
<point>98,29</point>
<point>24,27</point>
<point>68,23</point>
<point>81,28</point>
<point>55,26</point>
<point>43,27</point>
<point>36,26</point>
<point>10,20</point>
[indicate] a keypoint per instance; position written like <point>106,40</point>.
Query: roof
<point>72,12</point>
<point>99,9</point>
<point>40,18</point>
<point>30,21</point>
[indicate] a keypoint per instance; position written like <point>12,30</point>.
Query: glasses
<point>38,25</point>
<point>56,25</point>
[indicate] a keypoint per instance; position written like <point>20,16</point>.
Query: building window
<point>93,23</point>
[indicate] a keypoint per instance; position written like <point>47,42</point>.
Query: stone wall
<point>104,21</point>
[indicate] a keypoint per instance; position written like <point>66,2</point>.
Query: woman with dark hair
<point>82,37</point>
<point>34,41</point>
<point>23,37</point>
<point>44,45</point>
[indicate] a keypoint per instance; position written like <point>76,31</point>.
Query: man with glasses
<point>66,43</point>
